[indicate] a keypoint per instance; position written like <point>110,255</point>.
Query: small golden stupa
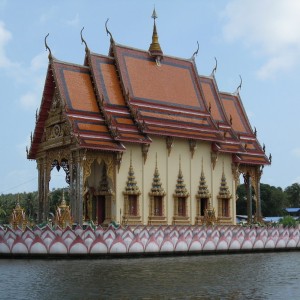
<point>63,216</point>
<point>18,217</point>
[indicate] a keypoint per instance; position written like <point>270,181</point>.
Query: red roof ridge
<point>191,60</point>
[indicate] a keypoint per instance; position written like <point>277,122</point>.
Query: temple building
<point>144,139</point>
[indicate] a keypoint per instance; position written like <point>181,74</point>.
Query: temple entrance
<point>98,194</point>
<point>100,208</point>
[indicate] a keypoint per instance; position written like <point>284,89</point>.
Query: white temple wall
<point>168,167</point>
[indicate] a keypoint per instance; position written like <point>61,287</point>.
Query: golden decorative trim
<point>193,146</point>
<point>214,159</point>
<point>170,143</point>
<point>145,150</point>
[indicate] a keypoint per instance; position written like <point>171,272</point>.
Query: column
<point>78,190</point>
<point>72,170</point>
<point>45,188</point>
<point>40,190</point>
<point>258,200</point>
<point>247,181</point>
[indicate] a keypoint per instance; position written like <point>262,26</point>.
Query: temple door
<point>101,209</point>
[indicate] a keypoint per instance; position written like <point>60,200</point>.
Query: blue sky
<point>257,39</point>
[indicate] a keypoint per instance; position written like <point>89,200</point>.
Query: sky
<point>257,39</point>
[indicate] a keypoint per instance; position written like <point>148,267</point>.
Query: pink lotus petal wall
<point>144,240</point>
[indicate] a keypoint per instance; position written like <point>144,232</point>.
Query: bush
<point>288,221</point>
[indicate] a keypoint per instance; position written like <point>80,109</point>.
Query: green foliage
<point>55,198</point>
<point>293,195</point>
<point>273,200</point>
<point>28,201</point>
<point>288,221</point>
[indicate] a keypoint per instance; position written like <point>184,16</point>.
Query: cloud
<point>21,148</point>
<point>5,37</point>
<point>29,100</point>
<point>74,21</point>
<point>49,14</point>
<point>39,62</point>
<point>296,152</point>
<point>269,28</point>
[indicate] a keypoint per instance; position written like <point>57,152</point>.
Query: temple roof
<point>129,96</point>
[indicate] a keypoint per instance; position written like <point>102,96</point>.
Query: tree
<point>293,195</point>
<point>2,213</point>
<point>241,204</point>
<point>272,200</point>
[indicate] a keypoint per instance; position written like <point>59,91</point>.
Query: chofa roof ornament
<point>47,47</point>
<point>155,49</point>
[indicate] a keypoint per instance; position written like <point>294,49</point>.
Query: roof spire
<point>154,49</point>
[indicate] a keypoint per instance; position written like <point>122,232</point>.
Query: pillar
<point>72,170</point>
<point>40,190</point>
<point>77,186</point>
<point>247,181</point>
<point>46,179</point>
<point>258,199</point>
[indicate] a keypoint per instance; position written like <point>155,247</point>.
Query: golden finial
<point>155,49</point>
<point>130,158</point>
<point>63,201</point>
<point>179,162</point>
<point>154,14</point>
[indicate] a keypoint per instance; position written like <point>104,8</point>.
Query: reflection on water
<point>238,276</point>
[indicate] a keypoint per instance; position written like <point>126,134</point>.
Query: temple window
<point>225,207</point>
<point>132,205</point>
<point>182,206</point>
<point>180,200</point>
<point>224,197</point>
<point>157,205</point>
<point>157,194</point>
<point>131,199</point>
<point>203,205</point>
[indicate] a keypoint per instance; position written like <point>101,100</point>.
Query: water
<point>237,276</point>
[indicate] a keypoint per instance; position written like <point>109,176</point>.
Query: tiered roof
<point>131,95</point>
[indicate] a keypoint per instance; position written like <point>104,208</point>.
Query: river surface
<point>235,276</point>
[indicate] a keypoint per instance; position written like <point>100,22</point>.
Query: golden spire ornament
<point>155,49</point>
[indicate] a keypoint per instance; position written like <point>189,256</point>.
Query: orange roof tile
<point>140,98</point>
<point>108,85</point>
<point>235,111</point>
<point>173,83</point>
